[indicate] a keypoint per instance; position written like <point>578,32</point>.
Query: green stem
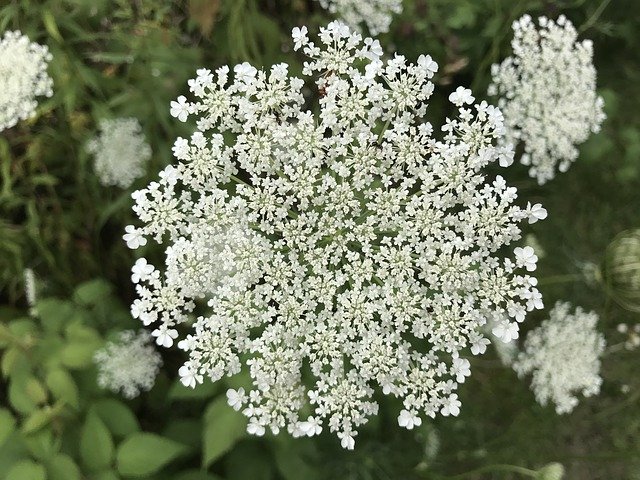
<point>571,277</point>
<point>596,15</point>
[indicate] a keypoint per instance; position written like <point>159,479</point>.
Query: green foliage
<point>143,454</point>
<point>223,427</point>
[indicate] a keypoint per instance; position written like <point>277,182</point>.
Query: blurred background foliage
<point>130,58</point>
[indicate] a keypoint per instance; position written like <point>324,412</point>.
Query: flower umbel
<point>128,365</point>
<point>375,14</point>
<point>23,77</point>
<point>563,355</point>
<point>120,151</point>
<point>547,93</point>
<point>354,244</point>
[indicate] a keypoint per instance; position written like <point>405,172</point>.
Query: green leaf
<point>106,475</point>
<point>291,464</point>
<point>42,445</point>
<point>222,429</point>
<point>62,467</point>
<point>117,416</point>
<point>18,397</point>
<point>7,424</point>
<point>195,475</point>
<point>143,454</point>
<point>54,313</point>
<point>96,444</point>
<point>91,292</point>
<point>78,355</point>
<point>26,470</point>
<point>63,387</point>
<point>39,419</point>
<point>52,27</point>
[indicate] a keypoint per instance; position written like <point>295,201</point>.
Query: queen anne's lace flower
<point>350,250</point>
<point>547,93</point>
<point>23,77</point>
<point>563,354</point>
<point>375,14</point>
<point>120,151</point>
<point>128,365</point>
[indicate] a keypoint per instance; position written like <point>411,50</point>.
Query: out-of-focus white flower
<point>547,93</point>
<point>23,77</point>
<point>128,365</point>
<point>375,14</point>
<point>563,356</point>
<point>335,241</point>
<point>30,287</point>
<point>120,152</point>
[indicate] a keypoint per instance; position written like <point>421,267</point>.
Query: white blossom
<point>526,257</point>
<point>23,77</point>
<point>409,420</point>
<point>180,109</point>
<point>120,152</point>
<point>547,93</point>
<point>128,365</point>
<point>332,254</point>
<point>375,14</point>
<point>563,356</point>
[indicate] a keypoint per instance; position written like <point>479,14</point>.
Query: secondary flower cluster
<point>120,151</point>
<point>344,252</point>
<point>563,354</point>
<point>376,14</point>
<point>23,77</point>
<point>547,93</point>
<point>129,364</point>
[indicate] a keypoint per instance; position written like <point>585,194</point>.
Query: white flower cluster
<point>129,364</point>
<point>23,77</point>
<point>120,151</point>
<point>563,354</point>
<point>376,14</point>
<point>353,250</point>
<point>547,93</point>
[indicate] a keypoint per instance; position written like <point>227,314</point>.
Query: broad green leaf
<point>91,292</point>
<point>14,360</point>
<point>78,355</point>
<point>117,416</point>
<point>143,454</point>
<point>62,467</point>
<point>42,445</point>
<point>196,475</point>
<point>18,397</point>
<point>223,427</point>
<point>35,390</point>
<point>7,424</point>
<point>106,475</point>
<point>63,387</point>
<point>26,470</point>
<point>54,313</point>
<point>291,464</point>
<point>96,444</point>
